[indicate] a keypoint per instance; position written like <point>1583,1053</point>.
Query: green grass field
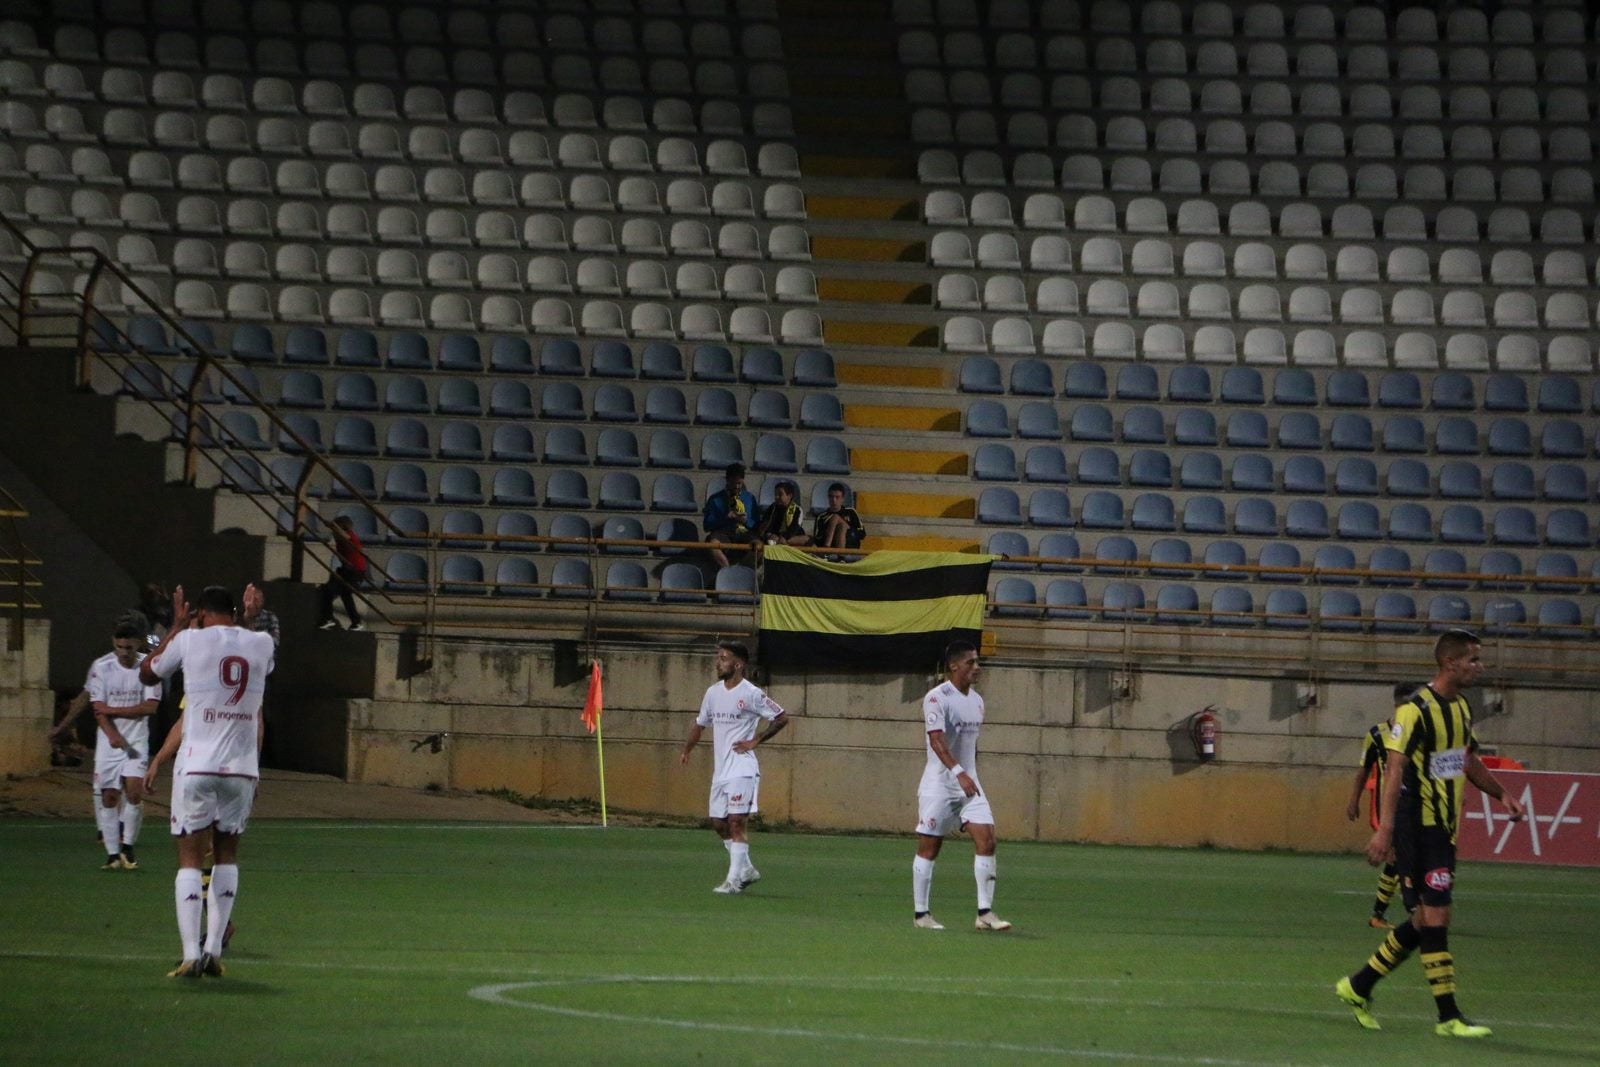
<point>466,944</point>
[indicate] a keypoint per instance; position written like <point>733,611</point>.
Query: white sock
<point>738,859</point>
<point>110,828</point>
<point>132,820</point>
<point>186,892</point>
<point>921,883</point>
<point>983,871</point>
<point>219,904</point>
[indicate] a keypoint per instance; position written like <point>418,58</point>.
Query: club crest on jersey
<point>1439,879</point>
<point>741,705</point>
<point>1394,731</point>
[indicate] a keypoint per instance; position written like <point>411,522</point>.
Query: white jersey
<point>733,714</point>
<point>959,716</point>
<point>116,686</point>
<point>225,670</point>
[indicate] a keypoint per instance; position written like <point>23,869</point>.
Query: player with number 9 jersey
<point>225,672</point>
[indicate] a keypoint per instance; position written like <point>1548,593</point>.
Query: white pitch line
<point>827,981</point>
<point>496,994</point>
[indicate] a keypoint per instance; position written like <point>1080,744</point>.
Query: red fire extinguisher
<point>1203,729</point>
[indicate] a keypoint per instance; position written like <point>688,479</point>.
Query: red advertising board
<point>1562,826</point>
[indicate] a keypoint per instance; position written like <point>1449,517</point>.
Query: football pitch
<point>485,943</point>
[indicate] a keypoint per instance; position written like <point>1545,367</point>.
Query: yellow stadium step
<point>875,291</point>
<point>880,208</point>
<point>868,249</point>
<point>828,166</point>
<point>919,543</point>
<point>916,505</point>
<point>893,417</point>
<point>880,334</point>
<point>907,461</point>
<point>894,377</point>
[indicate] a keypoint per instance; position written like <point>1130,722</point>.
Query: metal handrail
<point>191,404</point>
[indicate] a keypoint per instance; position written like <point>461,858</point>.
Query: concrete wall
<point>1061,756</point>
<point>26,701</point>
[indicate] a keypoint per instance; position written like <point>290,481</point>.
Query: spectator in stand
<point>350,573</point>
<point>784,522</point>
<point>730,516</point>
<point>155,609</point>
<point>838,526</point>
<point>254,616</point>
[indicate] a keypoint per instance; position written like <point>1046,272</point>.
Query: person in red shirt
<point>350,573</point>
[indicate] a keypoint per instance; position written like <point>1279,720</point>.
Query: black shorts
<point>1425,860</point>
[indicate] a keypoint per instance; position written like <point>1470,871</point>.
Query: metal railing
<point>190,405</point>
<point>17,561</point>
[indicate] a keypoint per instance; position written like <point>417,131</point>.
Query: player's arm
<point>1353,807</point>
<point>1388,804</point>
<point>689,742</point>
<point>75,710</point>
<point>1482,777</point>
<point>779,721</point>
<point>942,752</point>
<point>168,747</point>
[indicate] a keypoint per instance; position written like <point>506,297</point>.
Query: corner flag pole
<point>593,709</point>
<point>600,753</point>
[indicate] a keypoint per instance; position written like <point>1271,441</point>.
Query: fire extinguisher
<point>1203,729</point>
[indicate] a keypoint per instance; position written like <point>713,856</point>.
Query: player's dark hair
<point>1453,643</point>
<point>955,650</point>
<point>1404,691</point>
<point>127,630</point>
<point>737,649</point>
<point>216,599</point>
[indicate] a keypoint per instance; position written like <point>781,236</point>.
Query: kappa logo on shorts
<point>1439,879</point>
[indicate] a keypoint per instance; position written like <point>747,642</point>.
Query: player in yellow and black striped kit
<point>1374,755</point>
<point>1431,756</point>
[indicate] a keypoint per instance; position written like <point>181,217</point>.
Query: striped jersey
<point>1374,761</point>
<point>1435,735</point>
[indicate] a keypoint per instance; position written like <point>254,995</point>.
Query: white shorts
<point>201,800</point>
<point>736,796</point>
<point>942,813</point>
<point>113,765</point>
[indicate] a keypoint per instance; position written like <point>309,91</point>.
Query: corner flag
<point>593,705</point>
<point>592,708</point>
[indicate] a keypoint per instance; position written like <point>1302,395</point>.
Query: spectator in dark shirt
<point>730,516</point>
<point>350,573</point>
<point>839,526</point>
<point>784,522</point>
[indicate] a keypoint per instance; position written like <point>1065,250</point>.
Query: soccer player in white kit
<point>949,797</point>
<point>733,708</point>
<point>122,706</point>
<point>225,669</point>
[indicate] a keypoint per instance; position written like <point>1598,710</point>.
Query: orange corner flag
<point>596,700</point>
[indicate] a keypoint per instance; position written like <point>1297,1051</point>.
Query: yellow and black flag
<point>887,610</point>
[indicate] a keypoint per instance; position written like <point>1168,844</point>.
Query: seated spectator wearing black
<point>730,516</point>
<point>784,522</point>
<point>839,526</point>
